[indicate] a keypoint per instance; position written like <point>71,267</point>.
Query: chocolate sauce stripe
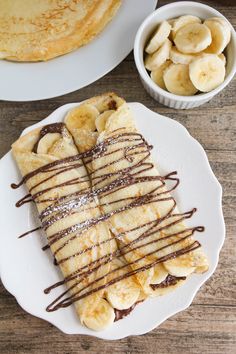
<point>26,199</point>
<point>105,154</point>
<point>71,182</point>
<point>95,221</point>
<point>62,170</point>
<point>104,176</point>
<point>67,302</point>
<point>46,168</point>
<point>63,214</point>
<point>63,260</point>
<point>21,202</point>
<point>107,259</point>
<point>30,232</point>
<point>112,187</point>
<point>121,159</point>
<point>50,128</point>
<point>120,253</point>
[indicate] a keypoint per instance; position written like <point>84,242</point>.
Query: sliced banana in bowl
<point>161,34</point>
<point>183,21</point>
<point>193,38</point>
<point>220,33</point>
<point>195,63</point>
<point>177,80</point>
<point>155,60</point>
<point>207,72</point>
<point>158,75</point>
<point>185,34</point>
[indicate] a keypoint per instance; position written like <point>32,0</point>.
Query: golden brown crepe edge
<point>69,43</point>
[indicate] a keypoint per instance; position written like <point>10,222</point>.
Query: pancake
<point>44,29</point>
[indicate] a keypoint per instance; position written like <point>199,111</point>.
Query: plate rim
<point>190,297</point>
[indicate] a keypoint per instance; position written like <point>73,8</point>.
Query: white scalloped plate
<point>26,270</point>
<point>70,72</point>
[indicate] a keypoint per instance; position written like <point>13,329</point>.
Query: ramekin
<point>146,29</point>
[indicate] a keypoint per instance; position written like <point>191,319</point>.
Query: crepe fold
<point>44,29</point>
<point>141,212</point>
<point>80,241</point>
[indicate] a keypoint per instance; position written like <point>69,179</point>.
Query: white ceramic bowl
<point>146,29</point>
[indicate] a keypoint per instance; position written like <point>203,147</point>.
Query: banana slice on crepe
<point>100,317</point>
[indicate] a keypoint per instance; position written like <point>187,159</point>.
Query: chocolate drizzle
<point>29,232</point>
<point>120,314</point>
<point>50,128</point>
<point>131,145</point>
<point>169,281</point>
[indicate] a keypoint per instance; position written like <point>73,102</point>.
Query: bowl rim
<point>143,72</point>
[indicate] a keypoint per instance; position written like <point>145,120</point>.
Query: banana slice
<point>180,58</point>
<point>220,33</point>
<point>200,261</point>
<point>224,23</point>
<point>223,58</point>
<point>177,81</point>
<point>85,114</point>
<point>100,121</point>
<point>160,274</point>
<point>123,294</point>
<point>183,21</point>
<point>193,38</point>
<point>81,121</point>
<point>111,101</point>
<point>161,34</point>
<point>101,317</point>
<point>207,72</point>
<point>153,61</point>
<point>157,75</point>
<point>179,267</point>
<point>46,142</point>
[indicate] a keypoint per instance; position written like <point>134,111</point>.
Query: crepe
<point>142,214</point>
<point>44,29</point>
<point>79,239</point>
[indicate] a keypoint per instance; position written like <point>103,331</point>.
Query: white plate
<point>26,270</point>
<point>37,81</point>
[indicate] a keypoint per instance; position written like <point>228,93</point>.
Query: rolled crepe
<point>141,212</point>
<point>80,241</point>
